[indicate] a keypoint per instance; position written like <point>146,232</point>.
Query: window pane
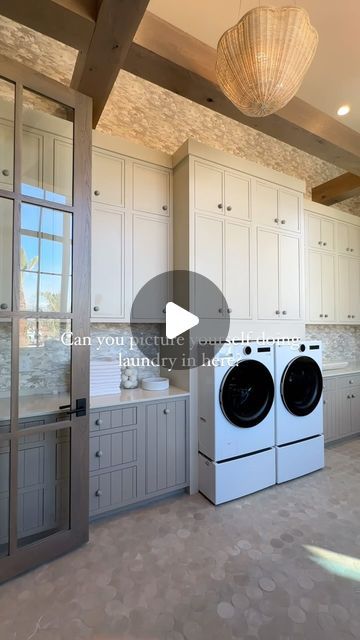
<point>6,227</point>
<point>4,496</point>
<point>44,370</point>
<point>5,375</point>
<point>46,259</point>
<point>47,149</point>
<point>43,485</point>
<point>7,92</point>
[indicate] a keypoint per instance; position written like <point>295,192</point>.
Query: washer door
<point>247,393</point>
<point>301,386</point>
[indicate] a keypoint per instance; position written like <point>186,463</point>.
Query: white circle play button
<point>178,320</point>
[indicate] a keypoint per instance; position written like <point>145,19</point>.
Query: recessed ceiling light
<point>343,110</point>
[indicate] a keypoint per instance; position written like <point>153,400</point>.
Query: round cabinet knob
<point>98,422</point>
<point>284,313</point>
<point>351,250</point>
<point>347,248</point>
<point>229,208</point>
<point>98,493</point>
<point>353,395</point>
<point>351,382</point>
<point>283,221</point>
<point>277,312</point>
<point>229,310</point>
<point>220,310</point>
<point>220,206</point>
<point>349,396</point>
<point>164,310</point>
<point>349,316</point>
<point>326,315</point>
<point>99,454</point>
<point>96,192</point>
<point>3,306</point>
<point>353,316</point>
<point>324,402</point>
<point>164,207</point>
<point>320,243</point>
<point>324,244</point>
<point>166,411</point>
<point>276,220</point>
<point>5,172</point>
<point>96,308</point>
<point>321,315</point>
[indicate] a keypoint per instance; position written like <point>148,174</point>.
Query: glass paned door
<point>45,142</point>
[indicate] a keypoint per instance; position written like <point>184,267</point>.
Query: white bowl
<point>155,384</point>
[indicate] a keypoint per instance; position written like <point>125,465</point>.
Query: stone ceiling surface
<point>144,113</point>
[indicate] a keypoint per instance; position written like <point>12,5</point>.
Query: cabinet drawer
<point>113,489</point>
<point>348,382</point>
<point>117,418</point>
<point>113,450</point>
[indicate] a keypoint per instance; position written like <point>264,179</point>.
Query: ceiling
<point>334,77</point>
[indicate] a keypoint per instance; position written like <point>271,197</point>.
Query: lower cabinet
<point>136,453</point>
<point>341,407</point>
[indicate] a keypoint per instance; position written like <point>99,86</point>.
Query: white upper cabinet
<point>237,270</point>
<point>151,189</point>
<point>108,263</point>
<point>209,262</point>
<point>348,290</point>
<point>222,191</point>
<point>151,257</point>
<point>320,287</point>
<point>348,239</point>
<point>277,207</point>
<point>237,195</point>
<point>279,278</point>
<point>320,233</point>
<point>208,188</point>
<point>108,178</point>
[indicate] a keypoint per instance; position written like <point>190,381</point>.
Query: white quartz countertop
<point>353,367</point>
<point>42,405</point>
<point>132,396</point>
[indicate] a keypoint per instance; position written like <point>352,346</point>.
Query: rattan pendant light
<point>262,60</point>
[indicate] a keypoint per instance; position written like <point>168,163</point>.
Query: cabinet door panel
<point>237,270</point>
<point>328,235</point>
<point>289,210</point>
<point>267,274</point>
<point>328,287</point>
<point>355,241</point>
<point>7,154</point>
<point>330,421</point>
<point>151,189</point>
<point>313,231</point>
<point>266,204</point>
<point>107,263</point>
<point>343,240</point>
<point>209,245</point>
<point>32,164</point>
<point>354,286</point>
<point>314,286</point>
<point>237,195</point>
<point>150,259</point>
<point>63,170</point>
<point>290,277</point>
<point>344,300</point>
<point>108,178</point>
<point>209,188</point>
<point>355,410</point>
<point>344,413</point>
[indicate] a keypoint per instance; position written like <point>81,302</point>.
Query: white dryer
<point>236,421</point>
<point>298,409</point>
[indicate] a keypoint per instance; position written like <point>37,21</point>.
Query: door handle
<point>80,410</point>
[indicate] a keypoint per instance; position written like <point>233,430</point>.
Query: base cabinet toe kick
<point>137,453</point>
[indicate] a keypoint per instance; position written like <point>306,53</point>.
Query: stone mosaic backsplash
<point>340,342</point>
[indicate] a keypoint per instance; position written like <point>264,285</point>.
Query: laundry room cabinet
<point>320,281</point>
<point>279,276</point>
<point>348,290</point>
<point>221,191</point>
<point>341,406</point>
<point>348,239</point>
<point>277,207</point>
<point>320,232</point>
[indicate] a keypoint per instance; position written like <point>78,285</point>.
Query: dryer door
<point>247,393</point>
<point>301,386</point>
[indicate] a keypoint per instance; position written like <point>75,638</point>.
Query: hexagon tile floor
<point>279,565</point>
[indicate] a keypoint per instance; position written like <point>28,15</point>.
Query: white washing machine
<point>236,421</point>
<point>298,409</point>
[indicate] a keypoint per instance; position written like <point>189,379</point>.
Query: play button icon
<point>178,320</point>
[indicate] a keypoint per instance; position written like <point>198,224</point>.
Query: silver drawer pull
<point>98,493</point>
<point>166,411</point>
<point>99,454</point>
<point>98,422</point>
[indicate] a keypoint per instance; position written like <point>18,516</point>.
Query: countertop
<point>352,368</point>
<point>42,405</point>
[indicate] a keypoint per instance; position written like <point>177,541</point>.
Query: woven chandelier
<point>262,60</point>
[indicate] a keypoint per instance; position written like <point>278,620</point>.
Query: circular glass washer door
<point>301,386</point>
<point>247,393</point>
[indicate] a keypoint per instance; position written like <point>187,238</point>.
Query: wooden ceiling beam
<point>97,68</point>
<point>175,60</point>
<point>336,190</point>
<point>69,21</point>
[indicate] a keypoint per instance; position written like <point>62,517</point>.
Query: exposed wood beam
<point>173,59</point>
<point>69,21</point>
<point>97,68</point>
<point>336,190</point>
